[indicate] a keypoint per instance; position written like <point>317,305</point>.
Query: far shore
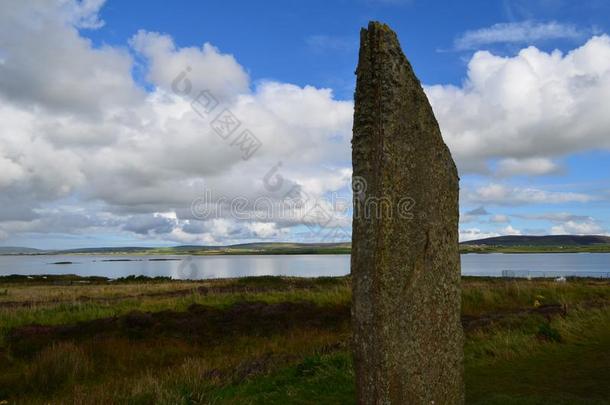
<point>341,250</point>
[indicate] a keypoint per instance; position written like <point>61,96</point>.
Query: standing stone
<point>407,334</point>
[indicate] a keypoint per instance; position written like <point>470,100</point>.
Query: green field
<point>271,340</point>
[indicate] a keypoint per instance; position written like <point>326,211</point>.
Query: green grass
<point>77,312</point>
<point>539,372</point>
<point>479,296</point>
<point>482,295</point>
<point>575,371</point>
<point>325,379</point>
<point>520,357</point>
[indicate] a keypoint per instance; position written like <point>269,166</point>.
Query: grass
<point>570,371</point>
<point>290,344</point>
<point>480,295</point>
<point>539,372</point>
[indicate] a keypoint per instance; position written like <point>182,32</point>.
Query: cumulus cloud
<point>264,230</point>
<point>499,219</point>
<point>529,166</point>
<point>577,228</point>
<point>524,32</point>
<point>85,131</point>
<point>84,14</point>
<point>206,67</point>
<point>527,109</point>
<point>468,234</point>
<point>147,224</point>
<point>85,148</point>
<point>556,217</point>
<point>474,234</point>
<point>38,38</point>
<point>509,230</point>
<point>499,194</point>
<point>567,223</point>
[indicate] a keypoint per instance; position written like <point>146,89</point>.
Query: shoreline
<point>482,251</point>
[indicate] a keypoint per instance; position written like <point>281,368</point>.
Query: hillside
<point>245,248</point>
<point>550,240</point>
<point>504,244</point>
<point>16,250</point>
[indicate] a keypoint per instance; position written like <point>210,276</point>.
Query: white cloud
<point>509,230</point>
<point>85,131</point>
<point>577,228</point>
<point>499,219</point>
<point>264,230</point>
<point>499,194</point>
<point>474,234</point>
<point>10,172</point>
<point>567,223</point>
<point>205,68</point>
<point>558,217</point>
<point>529,166</point>
<point>84,14</point>
<point>524,32</point>
<point>85,148</point>
<point>527,108</point>
<point>147,224</point>
<point>48,65</point>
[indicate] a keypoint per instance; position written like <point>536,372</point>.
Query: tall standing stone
<point>405,265</point>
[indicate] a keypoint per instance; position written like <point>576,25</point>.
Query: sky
<point>150,123</point>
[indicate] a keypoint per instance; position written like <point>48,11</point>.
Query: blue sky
<point>97,147</point>
<point>316,42</point>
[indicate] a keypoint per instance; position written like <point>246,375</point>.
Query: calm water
<point>199,267</point>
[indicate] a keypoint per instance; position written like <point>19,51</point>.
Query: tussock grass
<point>488,295</point>
<point>478,297</point>
<point>71,312</point>
<point>163,371</point>
<point>60,365</point>
<point>50,293</point>
<point>518,369</point>
<point>519,357</point>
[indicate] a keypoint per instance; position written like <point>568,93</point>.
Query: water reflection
<point>201,267</point>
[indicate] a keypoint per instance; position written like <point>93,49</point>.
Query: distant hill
<point>126,249</point>
<point>17,250</point>
<point>183,248</point>
<point>508,244</point>
<point>264,245</point>
<point>244,248</point>
<point>551,240</point>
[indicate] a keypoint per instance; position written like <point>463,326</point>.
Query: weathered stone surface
<point>405,269</point>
